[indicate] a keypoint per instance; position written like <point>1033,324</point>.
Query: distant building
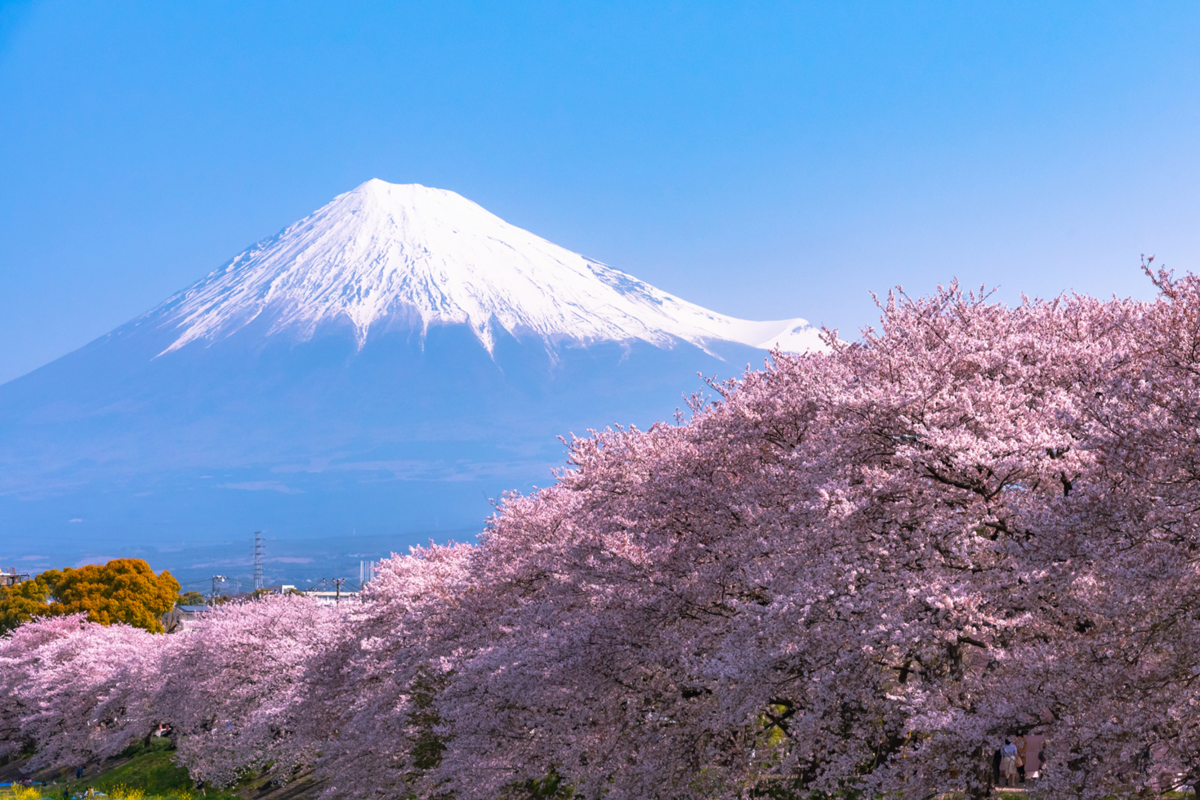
<point>326,597</point>
<point>180,618</point>
<point>10,576</point>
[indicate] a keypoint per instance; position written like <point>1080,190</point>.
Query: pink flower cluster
<point>859,570</point>
<point>228,687</point>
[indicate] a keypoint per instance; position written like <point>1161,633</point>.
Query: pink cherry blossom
<point>73,687</point>
<point>858,570</point>
<point>232,685</point>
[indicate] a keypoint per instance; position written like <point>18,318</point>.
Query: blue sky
<point>764,160</point>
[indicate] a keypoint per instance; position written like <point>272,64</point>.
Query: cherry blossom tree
<point>231,686</point>
<point>19,662</point>
<point>859,571</point>
<point>373,692</point>
<point>853,572</point>
<point>1124,688</point>
<point>74,688</point>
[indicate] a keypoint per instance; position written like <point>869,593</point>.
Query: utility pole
<point>258,554</point>
<point>212,597</point>
<point>337,597</point>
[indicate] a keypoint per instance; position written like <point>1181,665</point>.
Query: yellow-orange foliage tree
<point>124,590</point>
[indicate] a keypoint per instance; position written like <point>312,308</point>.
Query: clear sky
<point>764,160</point>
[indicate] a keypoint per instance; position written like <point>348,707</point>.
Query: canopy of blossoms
<point>853,571</point>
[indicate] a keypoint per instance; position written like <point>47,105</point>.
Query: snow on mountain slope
<point>387,255</point>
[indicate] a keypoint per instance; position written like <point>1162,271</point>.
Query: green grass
<point>150,770</point>
<point>148,774</point>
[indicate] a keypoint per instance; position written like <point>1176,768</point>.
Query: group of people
<point>1009,762</point>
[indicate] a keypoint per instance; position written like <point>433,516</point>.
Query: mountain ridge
<point>304,390</point>
<point>404,254</point>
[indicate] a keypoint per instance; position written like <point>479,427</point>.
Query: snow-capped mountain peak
<point>387,255</point>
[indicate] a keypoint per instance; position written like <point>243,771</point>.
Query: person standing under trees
<point>1008,762</point>
<point>996,759</point>
<point>1020,759</point>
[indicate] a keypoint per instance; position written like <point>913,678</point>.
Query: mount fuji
<point>379,369</point>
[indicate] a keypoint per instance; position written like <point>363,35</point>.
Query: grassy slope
<point>152,771</point>
<point>149,769</point>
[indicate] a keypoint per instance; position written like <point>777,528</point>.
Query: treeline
<point>124,590</point>
<point>850,573</point>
